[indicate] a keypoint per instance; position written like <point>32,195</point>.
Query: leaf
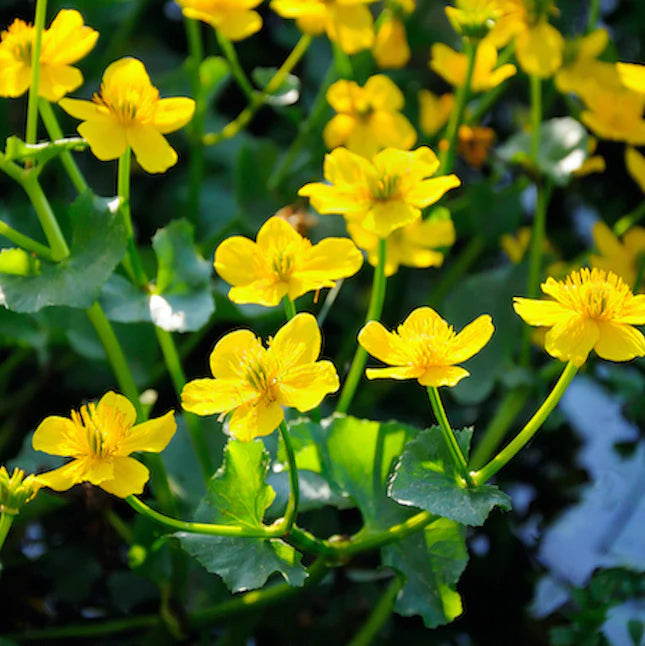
<point>238,495</point>
<point>287,93</point>
<point>425,477</point>
<point>17,150</point>
<point>431,562</point>
<point>213,72</point>
<point>181,298</point>
<point>98,244</point>
<point>563,148</point>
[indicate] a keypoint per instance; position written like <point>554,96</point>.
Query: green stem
<point>48,221</point>
<point>342,63</point>
<point>289,307</point>
<point>6,520</point>
<point>201,528</point>
<point>629,220</point>
<point>238,73</point>
<point>530,428</point>
<point>294,491</point>
<point>593,16</point>
<point>25,241</point>
<point>32,102</point>
<point>373,314</point>
<point>449,438</point>
<point>54,130</point>
<point>536,118</point>
<point>457,114</point>
<point>379,616</point>
<point>178,377</point>
<point>305,541</point>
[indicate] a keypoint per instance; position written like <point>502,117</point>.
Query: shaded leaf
<point>17,150</point>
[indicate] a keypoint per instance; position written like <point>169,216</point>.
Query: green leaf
<point>238,495</point>
<point>564,147</point>
<point>17,150</point>
<point>431,562</point>
<point>425,477</point>
<point>181,298</point>
<point>287,93</point>
<point>98,244</point>
<point>213,72</point>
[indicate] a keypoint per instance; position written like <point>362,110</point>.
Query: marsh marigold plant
<point>424,347</point>
<point>128,112</point>
<point>589,310</point>
<point>383,194</point>
<point>100,438</point>
<point>254,383</point>
<point>282,263</point>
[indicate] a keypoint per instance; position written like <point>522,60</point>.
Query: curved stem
<point>373,314</point>
<point>530,428</point>
<point>457,114</point>
<point>457,456</point>
<point>200,528</point>
<point>6,520</point>
<point>294,492</point>
<point>629,220</point>
<point>32,102</point>
<point>25,241</point>
<point>289,307</point>
<point>238,73</point>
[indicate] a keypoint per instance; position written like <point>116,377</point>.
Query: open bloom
<point>66,41</point>
<point>391,49</point>
<point>368,118</point>
<point>100,439</point>
<point>346,22</point>
<point>254,382</point>
<point>590,310</point>
<point>234,19</point>
<point>128,112</point>
<point>424,347</point>
<point>625,257</point>
<point>414,245</point>
<point>382,195</point>
<point>281,263</point>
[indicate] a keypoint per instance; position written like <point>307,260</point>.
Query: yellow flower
<point>635,163</point>
<point>347,22</point>
<point>632,76</point>
<point>591,310</point>
<point>581,60</point>
<point>452,66</point>
<point>414,245</point>
<point>623,258</point>
<point>391,49</point>
<point>474,144</point>
<point>231,18</point>
<point>100,439</point>
<point>16,490</point>
<point>539,48</point>
<point>368,117</point>
<point>254,382</point>
<point>424,347</point>
<point>382,195</point>
<point>66,41</point>
<point>129,112</point>
<point>281,263</point>
<point>434,111</point>
<point>475,18</point>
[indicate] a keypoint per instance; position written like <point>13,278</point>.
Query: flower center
<point>129,103</point>
<point>97,437</point>
<point>261,377</point>
<point>426,344</point>
<point>387,187</point>
<point>597,294</point>
<point>19,39</point>
<point>283,264</point>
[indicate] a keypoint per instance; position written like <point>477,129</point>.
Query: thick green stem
<point>457,114</point>
<point>373,314</point>
<point>449,438</point>
<point>201,528</point>
<point>379,616</point>
<point>593,16</point>
<point>529,430</point>
<point>46,217</point>
<point>234,62</point>
<point>32,102</point>
<point>53,129</point>
<point>6,520</point>
<point>342,63</point>
<point>289,307</point>
<point>294,491</point>
<point>25,241</point>
<point>178,377</point>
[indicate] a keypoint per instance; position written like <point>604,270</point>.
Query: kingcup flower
<point>66,41</point>
<point>424,347</point>
<point>589,310</point>
<point>100,438</point>
<point>16,490</point>
<point>379,195</point>
<point>282,263</point>
<point>368,118</point>
<point>128,112</point>
<point>391,49</point>
<point>254,383</point>
<point>234,19</point>
<point>347,22</point>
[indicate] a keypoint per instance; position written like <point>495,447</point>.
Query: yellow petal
<point>238,261</point>
<point>153,435</point>
<point>240,24</point>
<point>338,130</point>
<point>392,129</point>
<point>351,26</point>
<point>383,93</point>
<point>255,420</point>
<point>632,75</point>
<point>536,312</point>
<point>105,136</point>
<point>229,352</point>
<point>633,311</point>
<point>539,49</point>
<point>436,376</point>
<point>277,233</point>
<point>400,373</point>
<point>80,109</point>
<point>15,78</point>
<point>635,163</point>
<point>126,71</point>
<point>262,292</point>
<point>297,342</point>
<point>385,217</point>
<point>68,39</point>
<point>64,477</point>
<point>572,339</point>
<point>114,402</point>
<point>391,49</point>
<point>432,190</point>
<point>130,477</point>
<point>211,396</point>
<point>605,240</point>
<point>172,114</point>
<point>304,387</point>
<point>153,152</point>
<point>471,339</point>
<point>58,436</point>
<point>385,346</point>
<point>57,81</point>
<point>333,257</point>
<point>619,342</point>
